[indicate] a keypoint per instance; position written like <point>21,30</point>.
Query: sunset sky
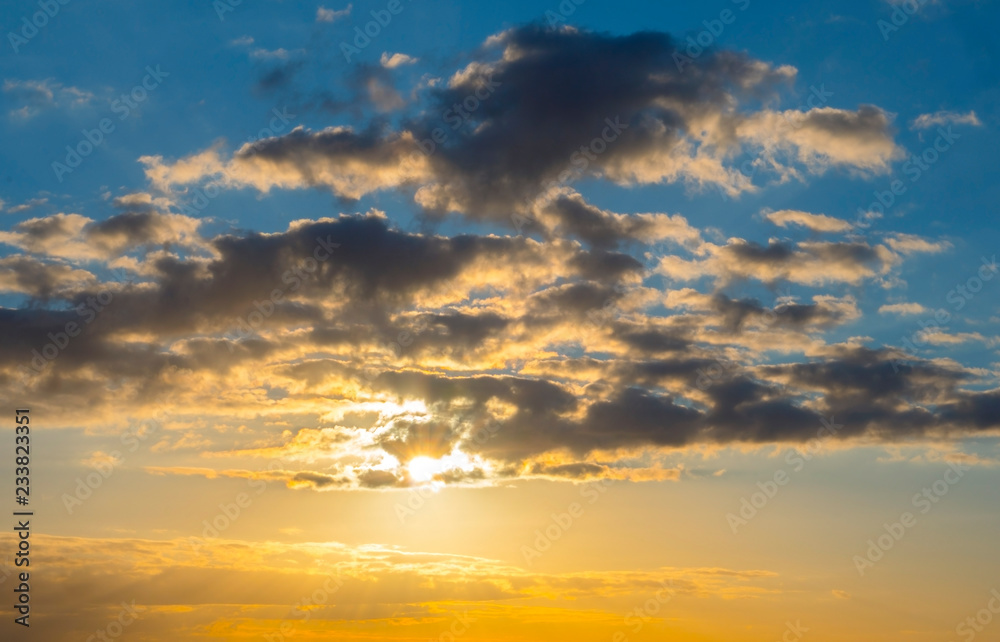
<point>521,321</point>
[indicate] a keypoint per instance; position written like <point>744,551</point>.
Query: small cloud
<point>814,222</point>
<point>24,207</point>
<point>242,41</point>
<point>902,308</point>
<point>99,459</point>
<point>926,121</point>
<point>142,202</point>
<point>76,97</point>
<point>837,18</point>
<point>265,54</point>
<point>840,595</point>
<point>36,95</point>
<point>396,60</point>
<point>331,15</point>
<point>942,338</point>
<point>912,244</point>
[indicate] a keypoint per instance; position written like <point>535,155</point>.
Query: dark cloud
<point>576,218</point>
<point>862,395</point>
<point>581,470</point>
<point>735,313</point>
<point>277,75</point>
<point>371,269</point>
<point>316,480</point>
<point>39,279</point>
<point>538,108</point>
<point>654,340</point>
<point>553,94</point>
<point>378,479</point>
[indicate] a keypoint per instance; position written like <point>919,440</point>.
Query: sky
<point>585,321</point>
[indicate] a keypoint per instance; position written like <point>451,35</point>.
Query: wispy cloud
<point>814,222</point>
<point>270,54</point>
<point>27,205</point>
<point>332,15</point>
<point>35,96</point>
<point>926,121</point>
<point>902,308</point>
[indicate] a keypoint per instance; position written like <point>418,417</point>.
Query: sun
<point>423,469</point>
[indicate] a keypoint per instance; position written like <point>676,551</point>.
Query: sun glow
<point>423,469</point>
